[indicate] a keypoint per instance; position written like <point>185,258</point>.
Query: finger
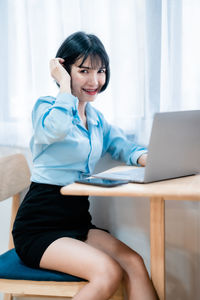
<point>53,65</point>
<point>53,61</point>
<point>57,60</point>
<point>60,59</point>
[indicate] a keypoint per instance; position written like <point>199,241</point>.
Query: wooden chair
<point>16,279</point>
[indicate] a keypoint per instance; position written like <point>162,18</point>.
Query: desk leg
<point>157,236</point>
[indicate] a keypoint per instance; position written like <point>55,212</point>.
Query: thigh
<point>110,245</point>
<point>75,257</point>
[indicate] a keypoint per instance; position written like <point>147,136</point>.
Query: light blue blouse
<point>64,150</point>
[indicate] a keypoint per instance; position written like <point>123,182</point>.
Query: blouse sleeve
<point>119,146</point>
<point>53,118</point>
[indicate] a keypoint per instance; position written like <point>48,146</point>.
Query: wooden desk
<point>185,188</point>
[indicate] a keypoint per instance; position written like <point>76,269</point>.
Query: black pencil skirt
<point>45,216</point>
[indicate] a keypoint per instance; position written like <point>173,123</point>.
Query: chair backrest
<point>14,175</point>
<point>14,178</point>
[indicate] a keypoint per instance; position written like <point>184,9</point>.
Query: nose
<point>93,80</point>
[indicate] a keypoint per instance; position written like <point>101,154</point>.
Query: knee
<point>110,271</point>
<point>108,276</point>
<point>136,264</point>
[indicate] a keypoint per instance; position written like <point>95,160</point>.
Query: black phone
<point>102,182</point>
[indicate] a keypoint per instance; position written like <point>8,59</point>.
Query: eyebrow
<point>89,68</point>
<point>84,67</point>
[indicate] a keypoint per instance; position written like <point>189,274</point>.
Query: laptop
<point>174,149</point>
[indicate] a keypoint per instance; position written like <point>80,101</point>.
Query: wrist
<point>65,87</point>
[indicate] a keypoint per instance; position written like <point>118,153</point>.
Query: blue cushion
<point>11,267</point>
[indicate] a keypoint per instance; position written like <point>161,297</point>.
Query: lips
<point>90,91</point>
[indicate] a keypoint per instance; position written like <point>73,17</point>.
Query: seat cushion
<point>11,267</point>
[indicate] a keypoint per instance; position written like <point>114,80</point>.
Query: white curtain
<point>153,48</point>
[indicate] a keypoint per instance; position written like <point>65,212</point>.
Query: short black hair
<point>81,45</point>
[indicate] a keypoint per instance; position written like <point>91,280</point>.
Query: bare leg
<point>137,281</point>
<point>83,260</point>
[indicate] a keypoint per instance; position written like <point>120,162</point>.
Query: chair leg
<point>8,297</point>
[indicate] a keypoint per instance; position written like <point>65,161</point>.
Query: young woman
<point>55,232</point>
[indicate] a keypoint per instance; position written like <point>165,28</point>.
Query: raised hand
<point>59,73</point>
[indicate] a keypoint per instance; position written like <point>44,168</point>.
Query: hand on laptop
<point>142,160</point>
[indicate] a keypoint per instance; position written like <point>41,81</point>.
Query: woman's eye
<point>84,71</point>
<point>102,71</point>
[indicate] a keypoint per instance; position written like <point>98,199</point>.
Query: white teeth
<point>90,90</point>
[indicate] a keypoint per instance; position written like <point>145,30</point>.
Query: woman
<point>55,232</point>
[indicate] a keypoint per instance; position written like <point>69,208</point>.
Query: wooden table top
<point>184,188</point>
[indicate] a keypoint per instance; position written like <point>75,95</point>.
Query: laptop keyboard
<point>134,175</point>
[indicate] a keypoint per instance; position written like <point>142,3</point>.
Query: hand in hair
<point>59,73</point>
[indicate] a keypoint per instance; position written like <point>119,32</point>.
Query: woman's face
<point>87,80</point>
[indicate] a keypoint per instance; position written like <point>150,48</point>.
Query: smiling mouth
<point>90,91</point>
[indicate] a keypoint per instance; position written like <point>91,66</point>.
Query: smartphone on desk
<point>102,182</point>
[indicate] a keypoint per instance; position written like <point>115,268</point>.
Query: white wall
<point>128,219</point>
